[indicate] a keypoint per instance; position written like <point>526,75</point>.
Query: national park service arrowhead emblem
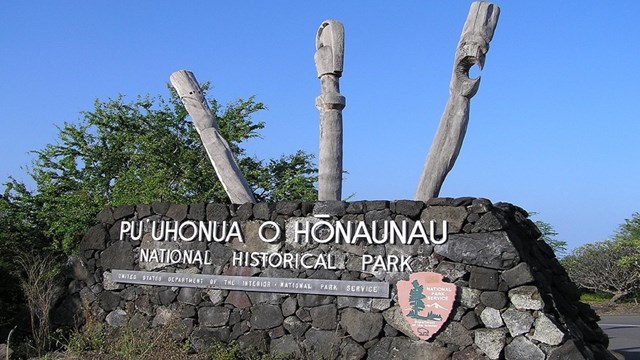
<point>426,302</point>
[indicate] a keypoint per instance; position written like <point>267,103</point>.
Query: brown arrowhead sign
<point>426,302</point>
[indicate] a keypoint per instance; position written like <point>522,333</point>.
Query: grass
<point>97,341</point>
<point>597,296</point>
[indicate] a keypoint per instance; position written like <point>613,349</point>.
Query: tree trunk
<point>217,148</point>
<point>473,45</point>
<point>618,295</point>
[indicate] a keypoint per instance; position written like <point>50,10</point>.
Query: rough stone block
<point>213,316</point>
<point>75,268</point>
<point>190,296</point>
<point>490,222</point>
<point>491,250</point>
<point>286,346</point>
<point>468,354</point>
<point>108,283</point>
<point>352,350</point>
<point>177,212</point>
<point>356,207</point>
<point>324,317</point>
<point>322,344</point>
<point>410,209</point>
<point>518,322</point>
<point>123,211</point>
<point>483,279</point>
<point>547,331</point>
<point>480,206</point>
<point>469,298</point>
<point>160,208</point>
<point>333,208</point>
<point>490,341</point>
<point>455,217</point>
<point>470,320</point>
<point>262,211</point>
<point>238,299</point>
<point>518,275</point>
<point>295,327</point>
<point>202,337</point>
<point>522,348</point>
<point>167,297</point>
<point>244,212</point>
<point>119,256</point>
<point>289,306</point>
<point>526,298</point>
<point>164,316</point>
<point>440,201</point>
<point>266,316</point>
<point>451,271</point>
<point>359,303</point>
<point>108,300</point>
<point>568,351</point>
<point>197,212</point>
<point>403,348</point>
<point>217,212</point>
<point>287,207</point>
<point>94,239</point>
<point>494,299</point>
<point>360,325</point>
<point>106,216</point>
<point>455,333</point>
<point>117,318</point>
<point>376,205</point>
<point>491,318</point>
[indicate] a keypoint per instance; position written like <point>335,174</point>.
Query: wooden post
<point>329,58</point>
<point>216,146</point>
<point>472,48</point>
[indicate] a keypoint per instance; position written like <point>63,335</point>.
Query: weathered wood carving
<point>472,48</point>
<point>216,146</point>
<point>329,58</point>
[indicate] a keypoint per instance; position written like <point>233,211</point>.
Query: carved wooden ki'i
<point>329,58</point>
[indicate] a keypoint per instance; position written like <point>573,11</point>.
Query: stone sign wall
<point>513,298</point>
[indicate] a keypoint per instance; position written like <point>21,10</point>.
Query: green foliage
<point>628,235</point>
<point>219,351</point>
<point>98,341</point>
<point>147,150</point>
<point>291,177</point>
<point>91,338</point>
<point>598,267</point>
<point>549,236</point>
<point>21,231</point>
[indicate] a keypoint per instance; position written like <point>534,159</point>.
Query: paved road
<point>624,335</point>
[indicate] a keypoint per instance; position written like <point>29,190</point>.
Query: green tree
<point>147,150</point>
<point>549,236</point>
<point>21,231</point>
<point>598,267</point>
<point>628,235</point>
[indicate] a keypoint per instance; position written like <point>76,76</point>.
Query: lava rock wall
<point>514,300</point>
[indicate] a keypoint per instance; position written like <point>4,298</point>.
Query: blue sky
<point>553,127</point>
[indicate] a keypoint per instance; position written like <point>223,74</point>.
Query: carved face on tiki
<point>473,47</point>
<point>471,51</point>
<point>329,56</point>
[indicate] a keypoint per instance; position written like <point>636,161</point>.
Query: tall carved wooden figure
<point>472,49</point>
<point>329,58</point>
<point>217,148</point>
